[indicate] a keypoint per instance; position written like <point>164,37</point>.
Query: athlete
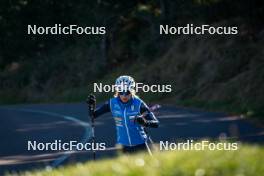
<point>127,109</point>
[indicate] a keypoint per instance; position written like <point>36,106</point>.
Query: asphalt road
<point>69,122</point>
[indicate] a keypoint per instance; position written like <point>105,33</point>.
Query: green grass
<point>225,80</point>
<point>246,161</point>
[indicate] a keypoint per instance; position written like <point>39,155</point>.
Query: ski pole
<point>148,148</point>
<point>146,142</point>
<point>152,109</point>
<point>150,140</point>
<point>91,113</point>
<point>148,136</point>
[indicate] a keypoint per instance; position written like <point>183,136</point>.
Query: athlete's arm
<point>105,108</point>
<point>151,120</point>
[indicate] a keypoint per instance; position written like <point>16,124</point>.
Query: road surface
<point>66,122</point>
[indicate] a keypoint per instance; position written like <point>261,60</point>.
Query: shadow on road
<point>176,124</point>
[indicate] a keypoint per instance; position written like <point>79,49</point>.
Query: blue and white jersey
<point>129,133</point>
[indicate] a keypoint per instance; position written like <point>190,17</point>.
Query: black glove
<point>91,101</point>
<point>140,120</point>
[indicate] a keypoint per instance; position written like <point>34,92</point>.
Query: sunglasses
<point>126,93</point>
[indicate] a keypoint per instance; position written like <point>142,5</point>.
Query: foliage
<point>61,68</point>
<point>247,160</point>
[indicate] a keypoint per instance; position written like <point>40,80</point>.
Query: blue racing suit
<point>129,132</point>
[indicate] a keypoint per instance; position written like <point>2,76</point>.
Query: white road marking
<point>85,137</point>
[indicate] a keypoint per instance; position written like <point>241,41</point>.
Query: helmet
<point>125,83</point>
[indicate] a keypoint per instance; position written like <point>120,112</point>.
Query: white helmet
<point>125,83</point>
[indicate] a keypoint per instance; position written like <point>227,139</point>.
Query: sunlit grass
<point>247,160</point>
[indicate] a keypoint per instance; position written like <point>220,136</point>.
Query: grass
<point>80,94</point>
<point>225,80</point>
<point>246,161</point>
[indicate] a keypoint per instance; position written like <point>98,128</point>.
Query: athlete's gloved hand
<point>140,120</point>
<point>91,101</point>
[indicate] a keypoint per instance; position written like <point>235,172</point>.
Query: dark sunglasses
<point>126,93</point>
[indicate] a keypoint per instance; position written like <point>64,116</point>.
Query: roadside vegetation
<point>246,161</point>
<point>214,72</point>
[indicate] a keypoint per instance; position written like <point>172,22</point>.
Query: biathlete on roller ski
<point>131,115</point>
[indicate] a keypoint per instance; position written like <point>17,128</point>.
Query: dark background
<point>208,71</point>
